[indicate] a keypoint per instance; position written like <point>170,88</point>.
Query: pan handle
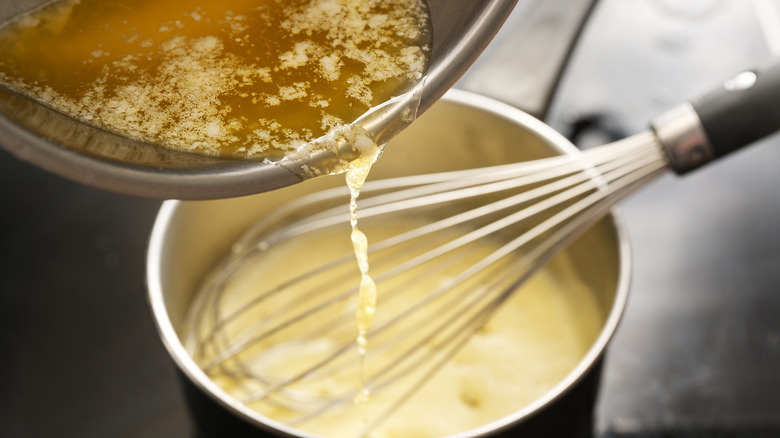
<point>527,57</point>
<point>742,110</point>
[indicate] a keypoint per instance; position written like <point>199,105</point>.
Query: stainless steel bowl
<point>80,152</point>
<point>463,130</point>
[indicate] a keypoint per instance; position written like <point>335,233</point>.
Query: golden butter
<point>238,78</point>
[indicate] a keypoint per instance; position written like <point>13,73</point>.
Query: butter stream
<point>366,306</point>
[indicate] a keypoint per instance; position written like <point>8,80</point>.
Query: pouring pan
<point>78,151</point>
<point>461,31</point>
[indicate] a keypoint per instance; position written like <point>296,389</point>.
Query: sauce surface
<point>238,78</point>
<point>535,339</point>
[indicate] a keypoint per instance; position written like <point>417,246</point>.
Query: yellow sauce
<point>529,345</point>
<point>239,78</point>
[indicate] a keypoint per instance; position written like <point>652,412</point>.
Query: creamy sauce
<point>239,78</point>
<point>530,345</point>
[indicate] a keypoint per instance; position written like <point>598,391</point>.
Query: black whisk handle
<point>742,110</point>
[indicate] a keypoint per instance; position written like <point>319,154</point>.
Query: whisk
<point>529,211</point>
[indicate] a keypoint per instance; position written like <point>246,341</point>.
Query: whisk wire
<point>562,196</point>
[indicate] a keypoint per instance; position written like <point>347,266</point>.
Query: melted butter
<point>239,78</point>
<point>356,175</point>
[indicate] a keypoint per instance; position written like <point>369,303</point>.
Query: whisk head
<point>449,249</point>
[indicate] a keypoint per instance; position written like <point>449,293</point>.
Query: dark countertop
<point>697,354</point>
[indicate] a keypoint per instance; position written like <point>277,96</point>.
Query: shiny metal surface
<point>91,156</point>
<point>527,63</point>
<point>185,241</point>
<point>682,135</point>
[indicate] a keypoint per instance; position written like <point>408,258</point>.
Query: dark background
<point>697,354</point>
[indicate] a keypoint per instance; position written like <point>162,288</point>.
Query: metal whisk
<point>526,211</point>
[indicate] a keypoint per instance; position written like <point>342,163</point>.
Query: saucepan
<point>460,131</point>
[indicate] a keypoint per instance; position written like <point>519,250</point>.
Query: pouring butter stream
<point>367,293</point>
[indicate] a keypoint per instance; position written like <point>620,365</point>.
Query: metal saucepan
<point>462,130</point>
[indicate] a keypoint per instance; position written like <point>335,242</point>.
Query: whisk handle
<point>742,110</point>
